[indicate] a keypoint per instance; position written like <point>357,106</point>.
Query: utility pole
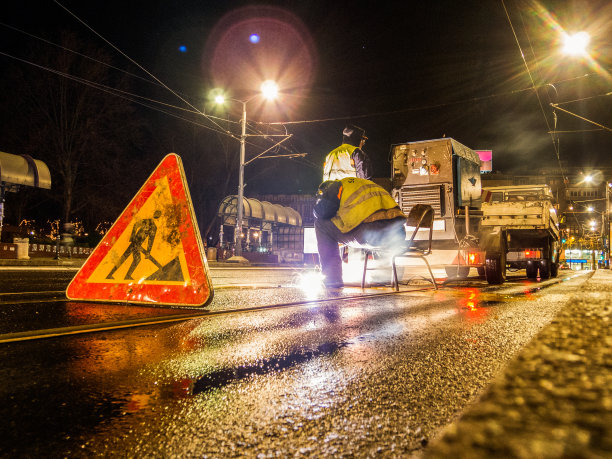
<point>606,226</point>
<point>240,210</point>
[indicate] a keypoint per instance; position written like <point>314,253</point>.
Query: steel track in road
<point>91,328</point>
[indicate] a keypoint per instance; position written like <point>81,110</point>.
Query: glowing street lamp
<point>269,89</point>
<point>576,44</point>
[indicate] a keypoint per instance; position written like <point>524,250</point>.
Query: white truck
<point>524,223</point>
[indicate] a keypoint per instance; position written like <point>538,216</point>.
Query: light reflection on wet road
<point>366,376</point>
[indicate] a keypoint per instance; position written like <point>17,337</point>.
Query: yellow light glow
<point>269,89</point>
<point>219,99</point>
<point>576,44</point>
<point>310,282</point>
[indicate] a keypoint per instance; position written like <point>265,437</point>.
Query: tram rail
<point>486,295</point>
<point>132,323</point>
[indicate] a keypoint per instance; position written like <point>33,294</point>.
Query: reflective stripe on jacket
<point>360,198</point>
<point>339,164</point>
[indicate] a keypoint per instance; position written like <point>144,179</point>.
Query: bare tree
<point>86,134</point>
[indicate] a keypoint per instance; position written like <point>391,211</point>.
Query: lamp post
<point>606,228</point>
<point>269,89</point>
<point>240,209</point>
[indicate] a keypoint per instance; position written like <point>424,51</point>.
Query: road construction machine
<point>514,227</point>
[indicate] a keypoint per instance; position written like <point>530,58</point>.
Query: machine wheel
<point>546,265</point>
<point>545,269</point>
<point>456,271</point>
<point>481,271</point>
<point>495,268</point>
<point>554,269</point>
<point>532,270</point>
<point>554,266</point>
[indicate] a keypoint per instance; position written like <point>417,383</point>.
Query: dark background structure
<point>101,91</point>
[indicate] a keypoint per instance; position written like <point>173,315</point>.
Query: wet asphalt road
<point>378,375</point>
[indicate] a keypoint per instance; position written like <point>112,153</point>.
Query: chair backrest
<point>421,216</point>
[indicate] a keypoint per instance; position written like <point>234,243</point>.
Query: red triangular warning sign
<point>153,253</point>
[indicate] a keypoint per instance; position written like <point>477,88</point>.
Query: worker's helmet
<point>327,185</point>
<point>353,135</point>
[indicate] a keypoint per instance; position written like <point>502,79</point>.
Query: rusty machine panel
<point>443,163</point>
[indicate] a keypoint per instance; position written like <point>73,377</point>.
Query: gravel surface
<point>362,377</point>
<point>554,399</point>
<point>367,378</point>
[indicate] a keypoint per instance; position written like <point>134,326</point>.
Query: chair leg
<point>433,280</point>
<point>365,268</point>
<point>395,279</point>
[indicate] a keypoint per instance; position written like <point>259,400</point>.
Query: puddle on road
<point>220,378</point>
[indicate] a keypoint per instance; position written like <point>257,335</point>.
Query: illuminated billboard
<point>486,160</point>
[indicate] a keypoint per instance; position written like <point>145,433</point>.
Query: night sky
<point>404,71</point>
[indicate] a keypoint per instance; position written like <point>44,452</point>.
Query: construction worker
<point>355,212</point>
<point>348,160</point>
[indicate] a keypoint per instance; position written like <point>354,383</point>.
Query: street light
<point>269,90</point>
<point>576,44</point>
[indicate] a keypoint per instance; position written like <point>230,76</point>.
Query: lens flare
<point>287,55</point>
<point>594,23</point>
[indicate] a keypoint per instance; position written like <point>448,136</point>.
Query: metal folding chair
<point>420,216</point>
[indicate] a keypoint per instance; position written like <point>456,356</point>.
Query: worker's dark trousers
<point>386,234</point>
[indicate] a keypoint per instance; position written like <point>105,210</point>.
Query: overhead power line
<point>426,107</point>
<point>581,117</point>
<point>137,64</point>
<point>85,56</point>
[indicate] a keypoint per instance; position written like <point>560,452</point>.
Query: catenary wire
<point>137,64</point>
<point>44,40</point>
<point>534,87</point>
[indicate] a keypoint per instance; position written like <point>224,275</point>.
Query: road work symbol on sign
<point>153,253</point>
<point>143,230</point>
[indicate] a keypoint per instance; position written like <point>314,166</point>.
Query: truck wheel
<point>532,270</point>
<point>481,271</point>
<point>544,269</point>
<point>547,262</point>
<point>495,268</point>
<point>456,271</point>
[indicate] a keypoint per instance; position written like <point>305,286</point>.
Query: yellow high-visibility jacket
<point>359,199</point>
<point>339,164</point>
